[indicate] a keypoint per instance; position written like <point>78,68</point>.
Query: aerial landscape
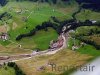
<point>49,37</point>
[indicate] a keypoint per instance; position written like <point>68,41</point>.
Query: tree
<point>3,2</point>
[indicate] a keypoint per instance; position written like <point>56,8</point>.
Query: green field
<point>86,49</point>
<point>41,40</point>
<point>7,71</point>
<point>88,14</point>
<point>35,14</point>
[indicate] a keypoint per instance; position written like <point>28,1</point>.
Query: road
<point>15,58</point>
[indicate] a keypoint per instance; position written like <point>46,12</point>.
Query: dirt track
<point>15,58</point>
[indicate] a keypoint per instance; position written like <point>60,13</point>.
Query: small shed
<point>4,36</point>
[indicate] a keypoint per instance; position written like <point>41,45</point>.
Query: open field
<point>86,49</point>
<point>7,71</point>
<point>87,33</point>
<point>35,14</point>
<point>12,50</point>
<point>90,50</point>
<point>88,14</point>
<point>40,40</point>
<point>31,66</point>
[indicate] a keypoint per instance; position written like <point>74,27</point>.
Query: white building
<point>93,21</point>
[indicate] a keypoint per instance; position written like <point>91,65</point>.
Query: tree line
<point>87,41</point>
<point>5,14</point>
<point>4,2</point>
<point>44,26</point>
<point>18,71</point>
<point>58,27</point>
<point>88,4</point>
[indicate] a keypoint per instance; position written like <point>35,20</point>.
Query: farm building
<point>4,36</point>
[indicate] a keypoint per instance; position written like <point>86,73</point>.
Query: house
<point>4,36</point>
<point>93,21</point>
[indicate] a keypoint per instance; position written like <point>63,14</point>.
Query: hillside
<point>31,66</point>
<point>37,34</point>
<point>17,24</point>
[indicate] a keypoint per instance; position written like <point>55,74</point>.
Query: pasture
<point>26,15</point>
<point>7,71</point>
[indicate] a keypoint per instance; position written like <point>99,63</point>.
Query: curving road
<point>15,58</point>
